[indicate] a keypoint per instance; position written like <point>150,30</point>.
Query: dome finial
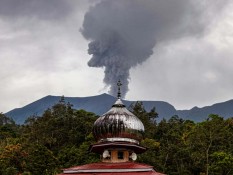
<point>119,89</point>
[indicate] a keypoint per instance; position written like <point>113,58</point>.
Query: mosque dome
<point>118,125</point>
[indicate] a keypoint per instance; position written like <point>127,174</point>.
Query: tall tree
<point>148,118</point>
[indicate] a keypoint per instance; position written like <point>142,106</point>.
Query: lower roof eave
<point>117,173</point>
<point>69,171</point>
<point>100,147</point>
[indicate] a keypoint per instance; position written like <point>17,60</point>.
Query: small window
<point>120,155</point>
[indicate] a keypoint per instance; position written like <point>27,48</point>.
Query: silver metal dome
<point>118,124</point>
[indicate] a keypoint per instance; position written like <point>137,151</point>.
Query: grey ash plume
<point>123,33</point>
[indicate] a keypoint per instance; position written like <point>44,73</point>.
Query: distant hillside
<point>98,104</point>
<point>224,109</point>
<point>102,103</point>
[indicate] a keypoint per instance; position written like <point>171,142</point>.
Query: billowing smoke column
<point>123,33</point>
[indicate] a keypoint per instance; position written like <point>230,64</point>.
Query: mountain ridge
<point>100,104</point>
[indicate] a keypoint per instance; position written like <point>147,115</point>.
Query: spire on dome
<point>119,84</point>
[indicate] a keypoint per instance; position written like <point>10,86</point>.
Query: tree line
<point>60,138</point>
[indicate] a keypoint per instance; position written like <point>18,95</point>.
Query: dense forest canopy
<point>61,137</point>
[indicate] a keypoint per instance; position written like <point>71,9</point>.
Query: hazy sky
<point>42,52</point>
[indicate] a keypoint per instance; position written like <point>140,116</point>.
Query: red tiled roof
<point>127,168</point>
<point>124,165</point>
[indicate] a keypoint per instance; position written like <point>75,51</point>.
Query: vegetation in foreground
<point>60,138</point>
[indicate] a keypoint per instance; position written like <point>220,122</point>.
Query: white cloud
<point>191,71</point>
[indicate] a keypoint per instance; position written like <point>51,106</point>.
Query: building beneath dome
<point>118,133</point>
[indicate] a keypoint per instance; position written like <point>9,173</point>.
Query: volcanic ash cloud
<point>123,33</point>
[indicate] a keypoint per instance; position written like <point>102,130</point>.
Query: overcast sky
<point>42,52</point>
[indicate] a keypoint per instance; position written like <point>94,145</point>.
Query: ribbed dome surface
<point>118,124</point>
